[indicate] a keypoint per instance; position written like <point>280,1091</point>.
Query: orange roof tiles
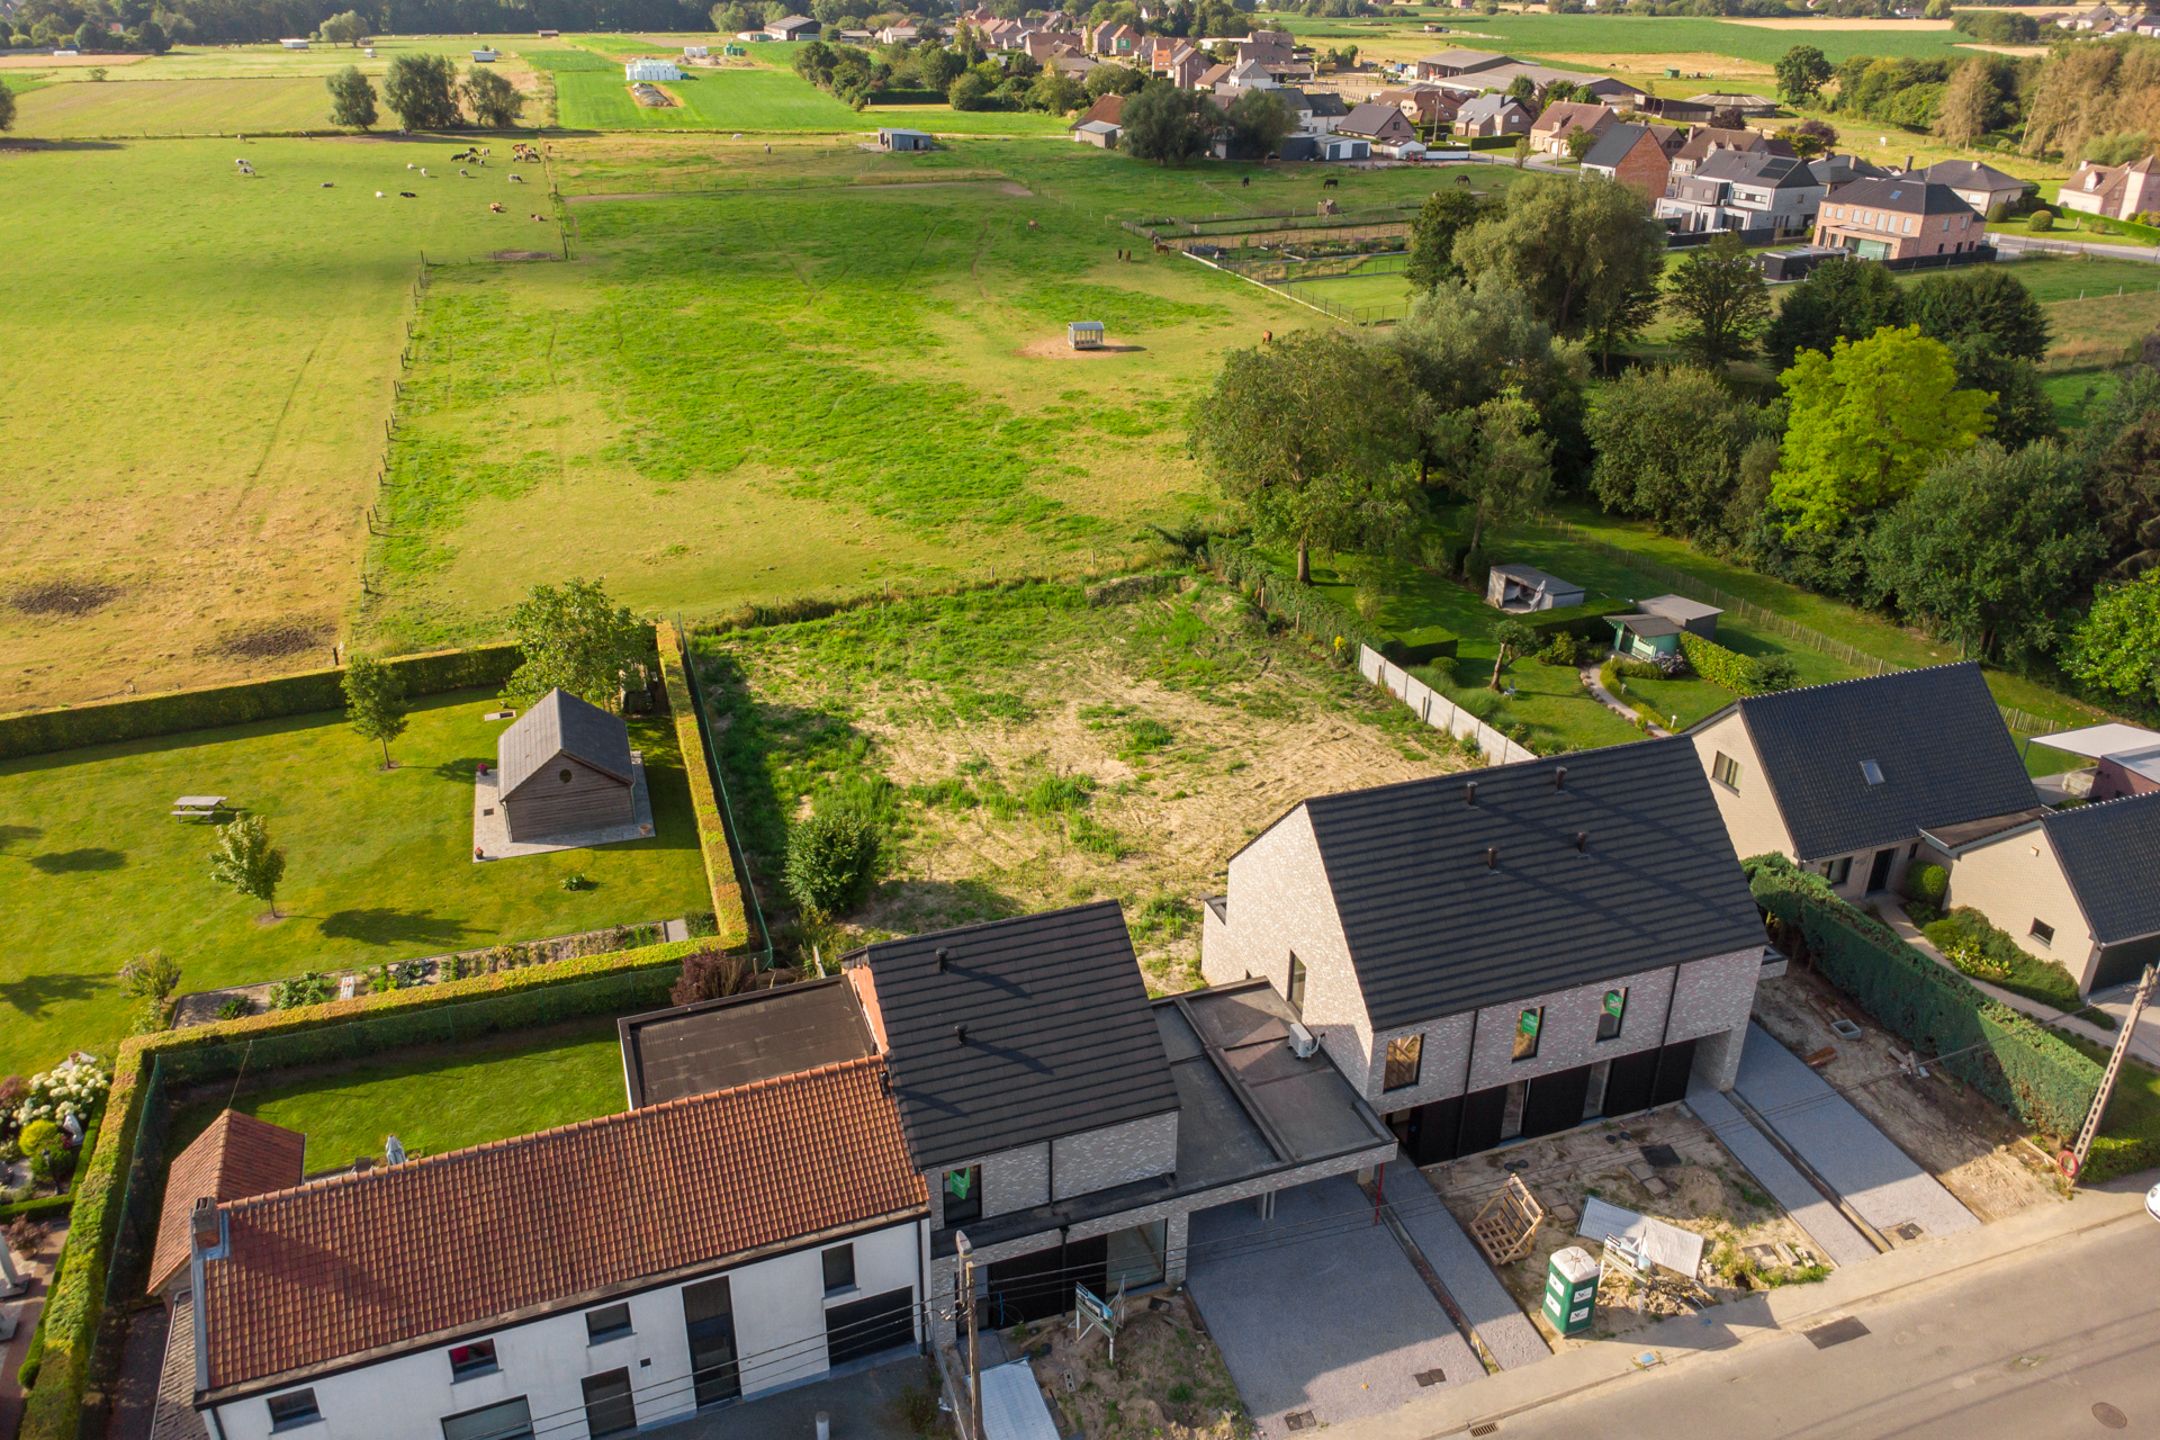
<point>236,1157</point>
<point>357,1263</point>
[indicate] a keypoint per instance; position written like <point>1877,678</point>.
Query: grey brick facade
<point>1118,1155</point>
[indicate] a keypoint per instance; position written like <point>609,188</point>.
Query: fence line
<point>1436,710</point>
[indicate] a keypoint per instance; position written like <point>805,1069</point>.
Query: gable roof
<point>562,724</point>
<point>2110,853</point>
<point>419,1252</point>
<point>1566,114</point>
<point>1035,1027</point>
<point>1433,931</point>
<point>1704,140</point>
<point>1108,109</point>
<point>1486,107</point>
<point>1616,144</point>
<point>237,1156</point>
<point>1900,195</point>
<point>1972,175</point>
<point>1757,167</point>
<point>1935,735</point>
<point>1371,118</point>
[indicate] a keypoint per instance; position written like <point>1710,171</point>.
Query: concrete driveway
<point>1318,1312</point>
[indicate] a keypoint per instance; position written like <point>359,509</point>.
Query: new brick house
<point>1898,219</point>
<point>1509,951</point>
<point>1638,156</point>
<point>1743,190</point>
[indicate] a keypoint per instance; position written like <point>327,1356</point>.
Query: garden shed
<point>1084,334</point>
<point>565,767</point>
<point>1692,616</point>
<point>1522,588</point>
<point>905,140</point>
<point>1645,637</point>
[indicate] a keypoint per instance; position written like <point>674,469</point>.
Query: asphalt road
<point>2058,1342</point>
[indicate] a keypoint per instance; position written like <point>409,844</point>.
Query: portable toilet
<point>1571,1290</point>
<point>1084,334</point>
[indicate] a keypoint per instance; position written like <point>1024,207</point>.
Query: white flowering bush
<point>75,1087</point>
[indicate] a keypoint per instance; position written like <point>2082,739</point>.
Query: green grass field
<point>379,866</point>
<point>88,110</point>
<point>762,100</point>
<point>432,1099</point>
<point>1542,36</point>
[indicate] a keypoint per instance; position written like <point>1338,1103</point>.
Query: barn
<point>565,767</point>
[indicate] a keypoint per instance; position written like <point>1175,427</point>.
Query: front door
<point>1878,875</point>
<point>709,1317</point>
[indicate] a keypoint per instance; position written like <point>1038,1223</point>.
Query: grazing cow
<point>409,194</point>
<point>495,207</point>
<point>516,179</point>
<point>536,216</point>
<point>1245,182</point>
<point>1331,182</point>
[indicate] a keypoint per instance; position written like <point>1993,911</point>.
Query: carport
<point>1318,1312</point>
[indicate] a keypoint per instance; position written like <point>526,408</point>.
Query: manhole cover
<point>1662,1156</point>
<point>1910,1230</point>
<point>2109,1416</point>
<point>1299,1420</point>
<point>1429,1377</point>
<point>1837,1332</point>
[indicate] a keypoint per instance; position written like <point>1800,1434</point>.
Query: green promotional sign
<point>1528,1024</point>
<point>1615,1002</point>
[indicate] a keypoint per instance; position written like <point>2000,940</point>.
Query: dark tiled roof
<point>1757,167</point>
<point>335,1268</point>
<point>2111,856</point>
<point>1433,931</point>
<point>561,724</point>
<point>1369,120</point>
<point>236,1157</point>
<point>1901,195</point>
<point>1058,1034</point>
<point>1615,145</point>
<point>1972,175</point>
<point>1935,735</point>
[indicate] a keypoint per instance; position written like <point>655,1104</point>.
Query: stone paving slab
<point>1831,1232</point>
<point>491,829</point>
<point>1510,1336</point>
<point>1863,1165</point>
<point>1318,1310</point>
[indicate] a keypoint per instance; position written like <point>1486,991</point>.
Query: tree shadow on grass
<point>31,994</point>
<point>70,862</point>
<point>387,925</point>
<point>9,834</point>
<point>462,771</point>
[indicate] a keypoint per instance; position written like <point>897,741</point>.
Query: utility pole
<point>2072,1161</point>
<point>966,1311</point>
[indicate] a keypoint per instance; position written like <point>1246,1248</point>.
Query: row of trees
<point>220,22</point>
<point>424,92</point>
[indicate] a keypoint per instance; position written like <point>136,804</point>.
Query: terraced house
<point>1509,952</point>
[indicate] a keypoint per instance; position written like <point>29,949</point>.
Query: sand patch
<point>1055,347</point>
<point>2018,51</point>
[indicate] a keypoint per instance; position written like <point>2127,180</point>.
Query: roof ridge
<point>1745,700</point>
<point>1033,915</point>
<point>2093,807</point>
<point>1481,772</point>
<point>466,1154</point>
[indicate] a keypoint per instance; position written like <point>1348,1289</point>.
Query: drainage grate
<point>1910,1230</point>
<point>1662,1156</point>
<point>1837,1332</point>
<point>1299,1420</point>
<point>1429,1377</point>
<point>1490,1427</point>
<point>2111,1417</point>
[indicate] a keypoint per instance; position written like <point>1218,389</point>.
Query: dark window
<point>1726,771</point>
<point>1405,1053</point>
<point>1837,872</point>
<point>839,1268</point>
<point>609,1407</point>
<point>477,1358</point>
<point>509,1420</point>
<point>291,1411</point>
<point>1527,1026</point>
<point>2045,934</point>
<point>1611,1014</point>
<point>1297,985</point>
<point>963,1195</point>
<point>609,1322</point>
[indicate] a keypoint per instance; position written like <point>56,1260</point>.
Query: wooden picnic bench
<point>198,807</point>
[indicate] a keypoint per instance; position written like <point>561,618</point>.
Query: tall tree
<point>1444,216</point>
<point>242,858</point>
<point>494,101</point>
<point>1164,124</point>
<point>1868,420</point>
<point>1585,252</point>
<point>344,28</point>
<point>1801,73</point>
<point>1988,549</point>
<point>352,99</point>
<point>1972,103</point>
<point>1257,124</point>
<point>7,108</point>
<point>421,90</point>
<point>1997,334</point>
<point>1298,432</point>
<point>1495,458</point>
<point>375,701</point>
<point>1669,444</point>
<point>2116,648</point>
<point>2122,469</point>
<point>1718,293</point>
<point>574,638</point>
<point>1839,300</point>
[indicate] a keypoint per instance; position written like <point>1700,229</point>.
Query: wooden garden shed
<point>565,767</point>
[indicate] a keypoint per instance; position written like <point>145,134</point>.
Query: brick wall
<point>1114,1155</point>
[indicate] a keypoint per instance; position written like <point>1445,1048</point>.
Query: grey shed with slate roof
<point>565,767</point>
<point>1012,1032</point>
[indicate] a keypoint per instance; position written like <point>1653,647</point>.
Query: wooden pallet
<point>1508,1224</point>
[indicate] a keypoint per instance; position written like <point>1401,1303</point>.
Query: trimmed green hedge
<point>1590,620</point>
<point>1726,669</point>
<point>43,732</point>
<point>1307,609</point>
<point>2022,1066</point>
<point>729,916</point>
<point>364,1026</point>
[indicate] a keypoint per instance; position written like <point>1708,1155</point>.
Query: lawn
<point>197,394</point>
<point>77,110</point>
<point>94,870</point>
<point>591,95</point>
<point>1609,41</point>
<point>433,1099</point>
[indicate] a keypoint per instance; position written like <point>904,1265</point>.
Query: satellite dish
<point>394,1150</point>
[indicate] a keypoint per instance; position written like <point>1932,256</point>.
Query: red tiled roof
<point>236,1157</point>
<point>352,1264</point>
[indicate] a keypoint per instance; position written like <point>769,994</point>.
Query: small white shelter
<point>294,44</point>
<point>1085,334</point>
<point>484,57</point>
<point>696,52</point>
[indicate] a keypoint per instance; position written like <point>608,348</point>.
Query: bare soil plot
<point>1168,1383</point>
<point>1956,1135</point>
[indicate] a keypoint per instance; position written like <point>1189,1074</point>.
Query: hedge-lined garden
<point>714,844</point>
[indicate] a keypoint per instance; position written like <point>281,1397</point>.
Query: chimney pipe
<point>1582,842</point>
<point>944,956</point>
<point>1492,857</point>
<point>959,1033</point>
<point>1559,777</point>
<point>205,1224</point>
<point>1469,792</point>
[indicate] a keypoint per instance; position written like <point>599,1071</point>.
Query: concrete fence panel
<point>1369,663</point>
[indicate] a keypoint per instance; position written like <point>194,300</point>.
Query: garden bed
<point>1967,940</point>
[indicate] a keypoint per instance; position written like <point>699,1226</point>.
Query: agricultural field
<point>1026,749</point>
<point>93,868</point>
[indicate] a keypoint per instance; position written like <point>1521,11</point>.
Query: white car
<point>2152,1202</point>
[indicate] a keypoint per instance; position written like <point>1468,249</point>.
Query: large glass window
<point>291,1411</point>
<point>1612,1014</point>
<point>963,1195</point>
<point>1527,1026</point>
<point>1405,1055</point>
<point>1297,986</point>
<point>610,1409</point>
<point>510,1420</point>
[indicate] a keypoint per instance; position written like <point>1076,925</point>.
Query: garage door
<point>1037,1286</point>
<point>1555,1102</point>
<point>870,1326</point>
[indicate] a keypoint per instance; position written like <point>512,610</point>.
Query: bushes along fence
<point>1726,669</point>
<point>1307,609</point>
<point>715,841</point>
<point>1438,711</point>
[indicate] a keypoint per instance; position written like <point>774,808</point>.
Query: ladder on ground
<point>2073,1159</point>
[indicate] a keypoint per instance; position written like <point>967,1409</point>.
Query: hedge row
<point>2033,1073</point>
<point>367,1025</point>
<point>43,732</point>
<point>1307,609</point>
<point>1591,620</point>
<point>720,877</point>
<point>1726,669</point>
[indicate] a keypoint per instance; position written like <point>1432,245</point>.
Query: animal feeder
<point>1084,334</point>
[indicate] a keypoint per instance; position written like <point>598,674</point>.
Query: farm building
<point>648,70</point>
<point>565,767</point>
<point>1340,147</point>
<point>1099,133</point>
<point>1518,588</point>
<point>484,57</point>
<point>288,44</point>
<point>905,140</point>
<point>794,27</point>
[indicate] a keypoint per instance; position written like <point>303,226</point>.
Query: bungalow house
<point>794,27</point>
<point>1850,779</point>
<point>1638,156</point>
<point>1897,219</point>
<point>2115,192</point>
<point>1490,115</point>
<point>2073,886</point>
<point>1108,109</point>
<point>2126,758</point>
<point>1509,952</point>
<point>1427,106</point>
<point>1988,190</point>
<point>1565,119</point>
<point>1743,190</point>
<point>563,767</point>
<point>1519,589</point>
<point>1376,124</point>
